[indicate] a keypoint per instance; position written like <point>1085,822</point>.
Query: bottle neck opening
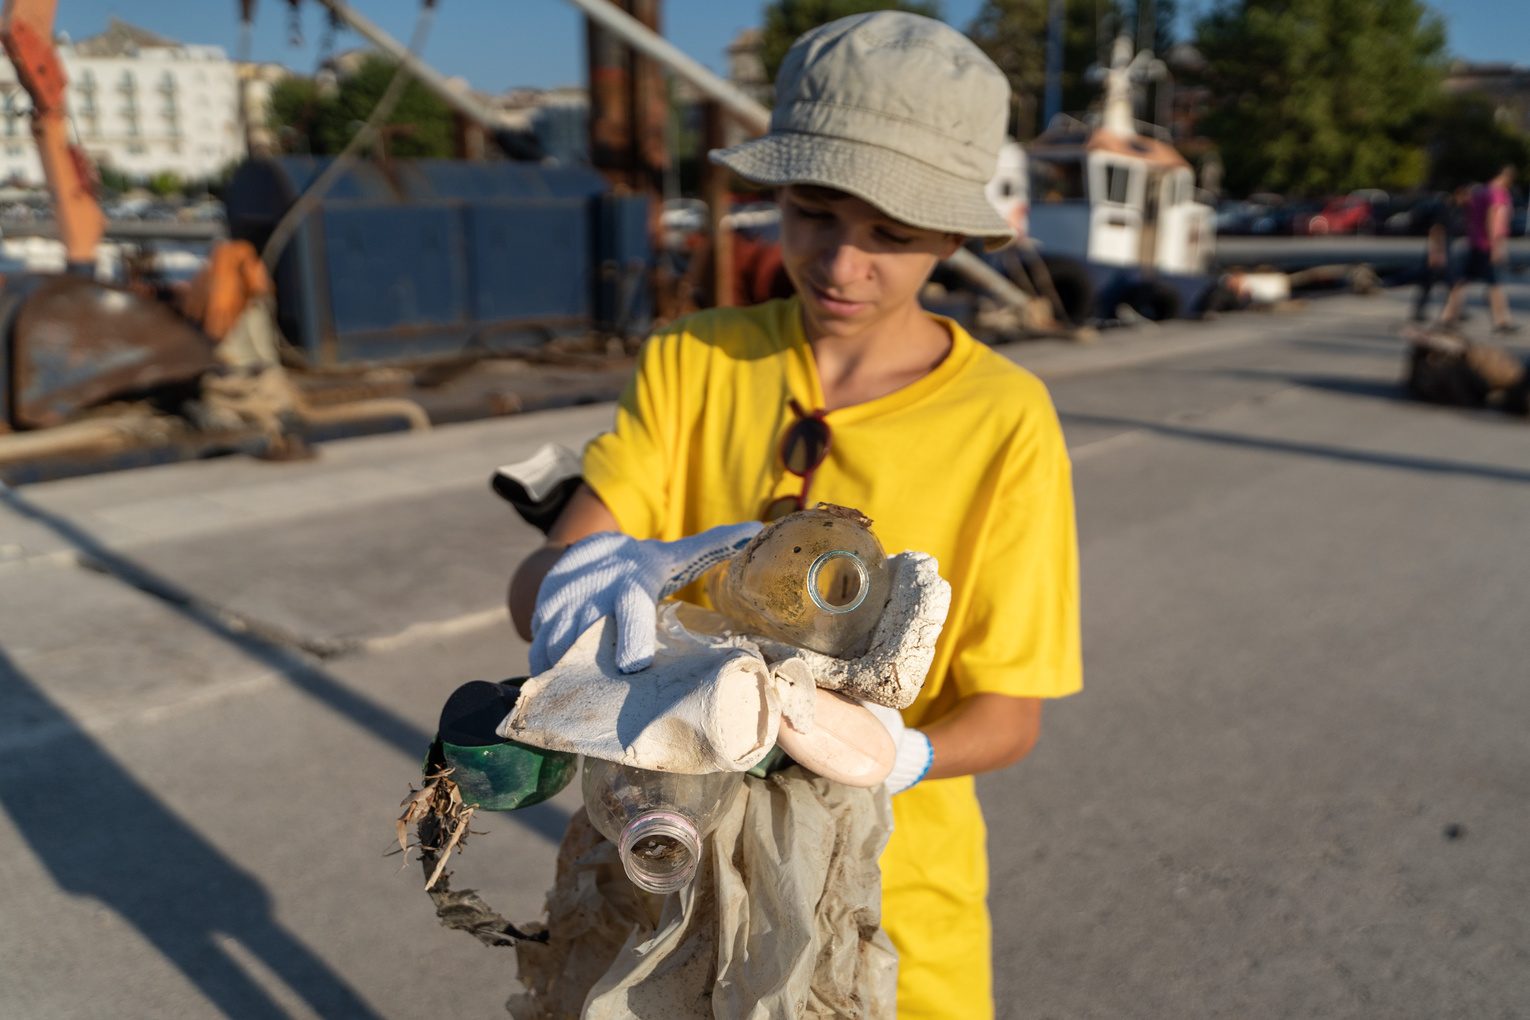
<point>838,581</point>
<point>660,851</point>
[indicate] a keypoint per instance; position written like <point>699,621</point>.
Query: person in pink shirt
<point>1487,234</point>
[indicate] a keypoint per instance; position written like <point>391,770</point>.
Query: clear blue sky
<point>496,44</point>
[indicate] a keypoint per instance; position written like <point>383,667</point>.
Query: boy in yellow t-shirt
<point>886,128</point>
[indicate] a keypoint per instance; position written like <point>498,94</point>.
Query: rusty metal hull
<point>75,343</point>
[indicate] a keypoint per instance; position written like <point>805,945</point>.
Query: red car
<point>1352,214</point>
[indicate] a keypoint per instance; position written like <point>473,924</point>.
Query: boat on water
<point>1111,208</point>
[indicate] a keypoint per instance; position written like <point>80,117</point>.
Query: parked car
<point>1288,218</point>
<point>1272,217</point>
<point>1352,214</point>
<point>1237,216</point>
<point>1256,214</point>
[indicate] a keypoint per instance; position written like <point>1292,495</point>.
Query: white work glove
<point>913,756</point>
<point>616,575</point>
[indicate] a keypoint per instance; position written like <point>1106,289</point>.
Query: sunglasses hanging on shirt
<point>803,448</point>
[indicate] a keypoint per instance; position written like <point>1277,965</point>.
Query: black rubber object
<point>471,714</point>
<point>1075,290</point>
<point>539,513</point>
<point>1153,300</point>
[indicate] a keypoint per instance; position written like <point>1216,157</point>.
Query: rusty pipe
<point>362,410</point>
<point>100,436</point>
<point>640,37</point>
<point>106,435</point>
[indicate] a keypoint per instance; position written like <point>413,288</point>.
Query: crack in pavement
<point>325,649</point>
<point>322,648</point>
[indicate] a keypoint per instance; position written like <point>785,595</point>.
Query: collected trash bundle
<point>725,863</point>
<point>1446,368</point>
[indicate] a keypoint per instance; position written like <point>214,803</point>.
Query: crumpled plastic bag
<point>782,920</point>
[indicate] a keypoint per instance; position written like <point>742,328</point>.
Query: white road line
<point>434,630</point>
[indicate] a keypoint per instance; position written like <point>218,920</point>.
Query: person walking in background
<point>1443,224</point>
<point>1487,252</point>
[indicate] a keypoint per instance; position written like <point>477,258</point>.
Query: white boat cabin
<point>1109,195</point>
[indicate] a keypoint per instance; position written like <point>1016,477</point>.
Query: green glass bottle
<point>494,773</point>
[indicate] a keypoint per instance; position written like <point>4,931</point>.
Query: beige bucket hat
<point>900,110</point>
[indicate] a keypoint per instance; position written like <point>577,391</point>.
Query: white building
<point>139,102</point>
<point>257,83</point>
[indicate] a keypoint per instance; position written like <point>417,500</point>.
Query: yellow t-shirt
<point>966,464</point>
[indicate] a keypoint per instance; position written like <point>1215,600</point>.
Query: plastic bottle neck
<point>660,851</point>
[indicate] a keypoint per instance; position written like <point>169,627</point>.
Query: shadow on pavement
<point>101,834</point>
<point>544,820</point>
<point>1346,385</point>
<point>1354,343</point>
<point>1429,465</point>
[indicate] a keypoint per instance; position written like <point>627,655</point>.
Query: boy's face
<point>852,266</point>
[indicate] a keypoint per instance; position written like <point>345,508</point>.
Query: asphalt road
<point>1296,784</point>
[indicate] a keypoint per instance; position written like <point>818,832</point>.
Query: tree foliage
<point>306,119</point>
<point>1164,13</point>
<point>1321,96</point>
<point>785,20</point>
<point>294,118</point>
<point>1469,142</point>
<point>166,183</point>
<point>1014,35</point>
<point>420,125</point>
<point>114,181</point>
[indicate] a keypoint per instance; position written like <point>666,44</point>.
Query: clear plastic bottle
<point>657,820</point>
<point>816,579</point>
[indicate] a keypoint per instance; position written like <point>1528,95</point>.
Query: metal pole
<point>1166,101</point>
<point>714,191</point>
<point>637,35</point>
<point>610,96</point>
<point>757,118</point>
<point>650,109</point>
<point>423,72</point>
<point>1052,104</point>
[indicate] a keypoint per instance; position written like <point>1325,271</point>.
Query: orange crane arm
<point>26,32</point>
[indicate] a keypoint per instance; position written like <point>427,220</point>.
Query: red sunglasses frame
<point>809,424</point>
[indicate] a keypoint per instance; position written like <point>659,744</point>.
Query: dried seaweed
<point>441,822</point>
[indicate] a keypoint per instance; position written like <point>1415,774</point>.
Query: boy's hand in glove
<point>611,574</point>
<point>913,754</point>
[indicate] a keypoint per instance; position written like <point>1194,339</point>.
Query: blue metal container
<point>430,258</point>
<point>623,256</point>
